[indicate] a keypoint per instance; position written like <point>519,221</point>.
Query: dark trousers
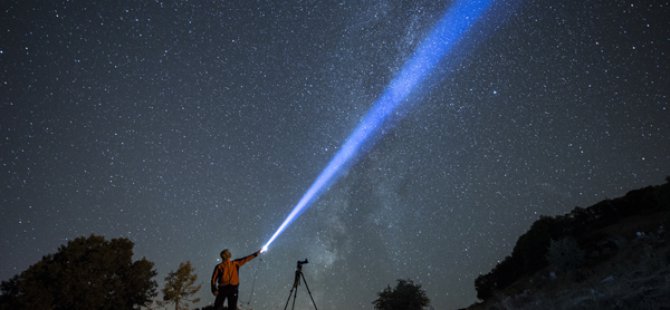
<point>226,292</point>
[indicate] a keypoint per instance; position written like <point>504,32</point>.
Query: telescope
<point>296,282</point>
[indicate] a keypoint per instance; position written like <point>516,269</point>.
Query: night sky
<point>193,126</point>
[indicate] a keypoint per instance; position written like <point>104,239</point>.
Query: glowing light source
<point>436,46</point>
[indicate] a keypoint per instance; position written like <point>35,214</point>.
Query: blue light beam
<point>451,28</point>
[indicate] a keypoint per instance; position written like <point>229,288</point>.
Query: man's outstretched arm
<point>244,260</point>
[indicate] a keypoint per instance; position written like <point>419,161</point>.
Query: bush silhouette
<point>405,296</point>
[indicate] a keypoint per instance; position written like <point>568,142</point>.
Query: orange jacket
<point>226,273</point>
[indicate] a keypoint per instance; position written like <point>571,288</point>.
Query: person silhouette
<point>226,279</point>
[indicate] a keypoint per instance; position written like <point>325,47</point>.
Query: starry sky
<point>193,126</point>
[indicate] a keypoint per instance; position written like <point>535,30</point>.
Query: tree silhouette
<point>405,296</point>
<point>87,273</point>
<point>180,286</point>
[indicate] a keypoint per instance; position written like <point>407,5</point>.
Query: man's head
<point>225,254</point>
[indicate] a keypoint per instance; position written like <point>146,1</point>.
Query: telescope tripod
<point>296,282</point>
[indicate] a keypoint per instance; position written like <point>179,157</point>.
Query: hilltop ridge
<point>613,254</point>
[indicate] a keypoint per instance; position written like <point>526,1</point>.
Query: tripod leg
<point>289,297</point>
<point>308,291</point>
<point>295,297</point>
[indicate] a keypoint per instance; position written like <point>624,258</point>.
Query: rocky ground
<point>636,277</point>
